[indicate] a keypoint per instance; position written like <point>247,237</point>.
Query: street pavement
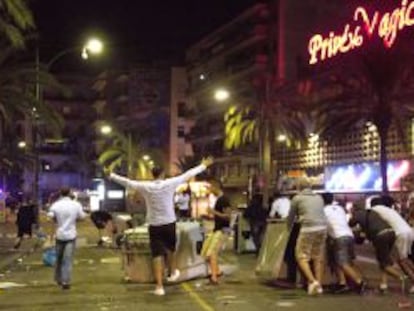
<point>98,284</point>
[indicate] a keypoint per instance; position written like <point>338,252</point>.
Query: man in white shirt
<point>158,195</point>
<point>404,233</point>
<point>280,207</point>
<point>182,200</point>
<point>343,243</point>
<point>65,212</point>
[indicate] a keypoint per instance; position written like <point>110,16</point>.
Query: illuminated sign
<point>364,26</point>
<point>364,177</point>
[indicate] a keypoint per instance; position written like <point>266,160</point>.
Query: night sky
<point>132,28</point>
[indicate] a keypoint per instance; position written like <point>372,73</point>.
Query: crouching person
<point>382,237</point>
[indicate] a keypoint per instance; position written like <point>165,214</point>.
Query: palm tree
<point>278,114</point>
<point>17,89</point>
<point>15,20</point>
<point>19,101</point>
<point>125,149</point>
<point>375,86</point>
<point>187,162</point>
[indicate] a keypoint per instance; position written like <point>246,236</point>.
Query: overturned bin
<point>136,254</point>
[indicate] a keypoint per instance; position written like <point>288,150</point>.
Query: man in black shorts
<point>158,195</point>
<point>383,238</point>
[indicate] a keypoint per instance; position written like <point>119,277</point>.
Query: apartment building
<point>273,37</point>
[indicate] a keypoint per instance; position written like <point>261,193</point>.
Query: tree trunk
<point>383,157</point>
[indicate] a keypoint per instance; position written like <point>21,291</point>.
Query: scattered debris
<point>7,285</point>
<point>285,304</point>
<point>111,260</point>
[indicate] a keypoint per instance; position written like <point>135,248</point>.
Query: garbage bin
<point>136,255</point>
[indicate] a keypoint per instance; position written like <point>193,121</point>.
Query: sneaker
<point>65,286</point>
<point>174,276</point>
<point>342,289</point>
<point>361,287</point>
<point>314,288</point>
<point>159,291</point>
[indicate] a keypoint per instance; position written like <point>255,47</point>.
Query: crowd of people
<point>322,232</point>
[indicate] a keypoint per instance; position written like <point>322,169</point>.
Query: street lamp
<point>221,95</point>
<point>106,129</point>
<point>21,144</point>
<point>93,46</point>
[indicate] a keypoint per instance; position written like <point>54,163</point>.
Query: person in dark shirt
<point>382,237</point>
<point>215,241</point>
<point>256,214</point>
<point>26,218</point>
<point>102,219</point>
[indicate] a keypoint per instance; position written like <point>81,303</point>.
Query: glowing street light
<point>106,129</point>
<point>281,138</point>
<point>93,46</point>
<point>221,95</point>
<point>22,144</point>
<point>146,157</point>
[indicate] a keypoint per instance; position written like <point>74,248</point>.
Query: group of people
<point>321,228</point>
<point>317,224</point>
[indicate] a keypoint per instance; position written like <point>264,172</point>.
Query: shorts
<point>213,243</point>
<point>384,244</point>
<point>311,245</point>
<point>343,249</point>
<point>162,238</point>
<point>403,244</point>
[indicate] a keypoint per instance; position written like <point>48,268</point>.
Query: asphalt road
<point>98,285</point>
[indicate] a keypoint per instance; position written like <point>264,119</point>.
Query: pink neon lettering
<point>370,24</point>
<point>385,26</point>
<point>320,48</point>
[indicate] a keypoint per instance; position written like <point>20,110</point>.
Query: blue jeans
<point>64,258</point>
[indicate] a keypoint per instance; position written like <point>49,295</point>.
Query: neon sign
<point>364,26</point>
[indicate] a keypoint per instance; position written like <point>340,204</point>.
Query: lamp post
<point>91,47</point>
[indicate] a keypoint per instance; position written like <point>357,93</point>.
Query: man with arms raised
<point>161,218</point>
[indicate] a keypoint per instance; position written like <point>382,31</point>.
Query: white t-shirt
<point>159,194</point>
<point>395,220</point>
<point>183,201</point>
<point>337,221</point>
<point>281,206</point>
<point>66,212</point>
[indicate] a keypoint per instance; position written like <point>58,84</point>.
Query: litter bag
<point>49,257</point>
